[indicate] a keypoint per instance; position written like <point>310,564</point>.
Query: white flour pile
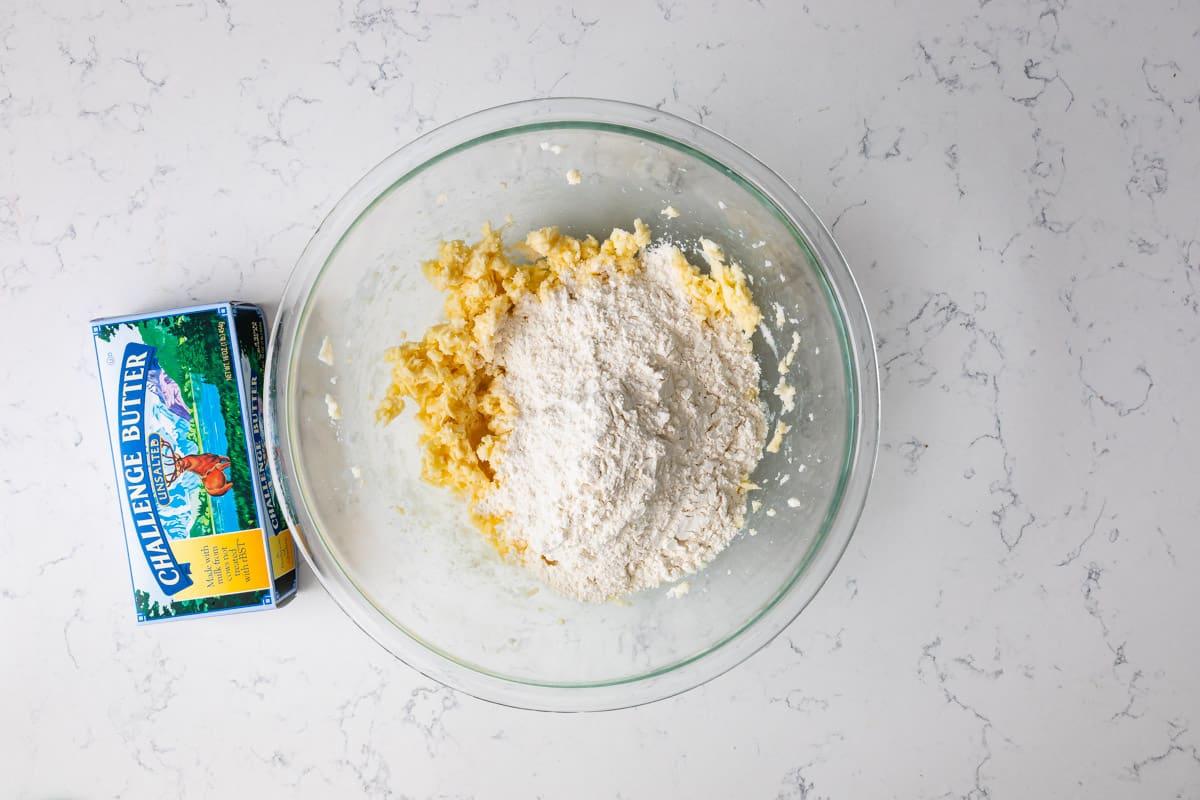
<point>638,425</point>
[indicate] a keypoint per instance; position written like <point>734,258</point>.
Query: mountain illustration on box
<point>193,457</point>
<point>167,390</point>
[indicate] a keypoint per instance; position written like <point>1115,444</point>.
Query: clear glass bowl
<point>399,555</point>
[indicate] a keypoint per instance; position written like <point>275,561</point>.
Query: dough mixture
<point>597,408</point>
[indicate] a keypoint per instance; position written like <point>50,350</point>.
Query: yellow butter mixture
<point>465,416</point>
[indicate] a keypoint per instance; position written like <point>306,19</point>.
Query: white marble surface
<point>1016,185</point>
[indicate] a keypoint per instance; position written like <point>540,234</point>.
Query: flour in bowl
<point>638,424</point>
<point>597,408</point>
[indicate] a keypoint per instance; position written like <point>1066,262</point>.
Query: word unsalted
<point>183,400</point>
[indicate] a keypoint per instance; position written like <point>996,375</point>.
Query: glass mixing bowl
<point>399,555</point>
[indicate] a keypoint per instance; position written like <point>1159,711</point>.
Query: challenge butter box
<point>183,399</point>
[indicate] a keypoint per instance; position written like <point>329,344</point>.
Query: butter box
<point>183,400</point>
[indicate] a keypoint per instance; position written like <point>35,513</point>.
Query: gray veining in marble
<point>1017,187</point>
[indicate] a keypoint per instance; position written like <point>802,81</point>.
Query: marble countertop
<point>1016,186</point>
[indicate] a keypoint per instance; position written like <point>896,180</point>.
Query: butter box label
<point>182,397</point>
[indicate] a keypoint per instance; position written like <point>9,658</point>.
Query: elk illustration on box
<point>210,468</point>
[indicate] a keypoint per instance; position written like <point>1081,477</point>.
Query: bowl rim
<point>859,360</point>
